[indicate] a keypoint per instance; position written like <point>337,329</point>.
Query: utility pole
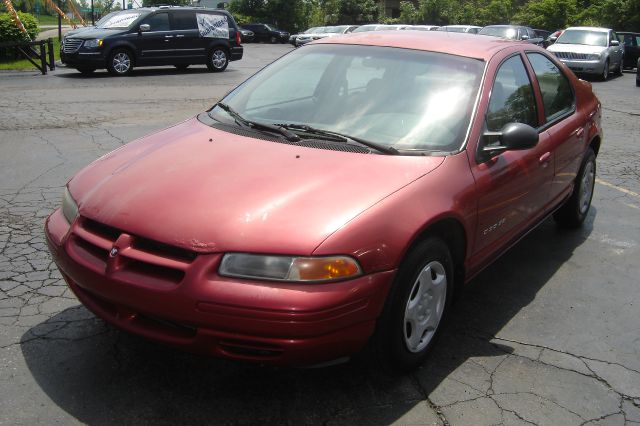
<point>93,22</point>
<point>59,24</point>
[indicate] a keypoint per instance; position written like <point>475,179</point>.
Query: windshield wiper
<point>340,136</point>
<point>259,126</point>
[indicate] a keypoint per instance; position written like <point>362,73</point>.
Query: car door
<point>615,52</point>
<point>565,128</point>
<point>156,45</point>
<point>512,188</point>
<point>189,46</point>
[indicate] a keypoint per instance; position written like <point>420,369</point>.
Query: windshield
<point>120,20</point>
<point>406,99</point>
<point>340,29</point>
<point>589,38</point>
<point>504,32</point>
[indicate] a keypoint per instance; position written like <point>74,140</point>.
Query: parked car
<point>267,33</point>
<point>422,27</point>
<point>471,29</point>
<point>590,50</point>
<point>638,73</point>
<point>553,37</point>
<point>342,195</point>
<point>247,36</point>
<point>368,27</point>
<point>323,32</point>
<point>512,32</point>
<point>631,46</point>
<point>294,37</point>
<point>177,36</point>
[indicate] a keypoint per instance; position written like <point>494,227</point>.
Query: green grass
<point>23,64</point>
<point>48,20</point>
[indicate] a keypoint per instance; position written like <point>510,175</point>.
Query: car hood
<point>576,48</point>
<point>207,190</point>
<point>91,33</point>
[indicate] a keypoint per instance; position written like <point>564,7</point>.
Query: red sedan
<point>339,196</point>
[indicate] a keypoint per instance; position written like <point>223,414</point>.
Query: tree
<point>548,14</point>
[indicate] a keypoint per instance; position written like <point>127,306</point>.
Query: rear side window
<point>158,22</point>
<point>512,98</point>
<point>183,20</point>
<point>557,96</point>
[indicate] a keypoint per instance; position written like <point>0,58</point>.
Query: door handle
<point>168,36</point>
<point>180,35</point>
<point>545,158</point>
<point>579,132</point>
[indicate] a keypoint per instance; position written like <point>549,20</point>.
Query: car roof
<point>460,44</point>
<point>589,29</point>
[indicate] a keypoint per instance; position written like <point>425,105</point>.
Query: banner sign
<point>120,20</point>
<point>212,26</point>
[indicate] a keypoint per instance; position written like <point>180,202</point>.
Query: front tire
<point>620,66</point>
<point>416,307</point>
<point>120,62</point>
<point>573,213</point>
<point>605,71</point>
<point>218,60</point>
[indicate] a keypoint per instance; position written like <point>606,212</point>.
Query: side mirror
<point>145,28</point>
<point>614,43</point>
<point>552,39</point>
<point>512,137</point>
<point>524,37</point>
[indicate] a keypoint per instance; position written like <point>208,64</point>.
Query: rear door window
<point>557,96</point>
<point>183,20</point>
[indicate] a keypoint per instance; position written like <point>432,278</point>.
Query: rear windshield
<point>586,37</point>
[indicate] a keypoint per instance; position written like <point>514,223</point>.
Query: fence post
<point>52,58</point>
<point>43,56</point>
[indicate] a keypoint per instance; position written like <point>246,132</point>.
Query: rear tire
<point>120,62</point>
<point>416,308</point>
<point>574,211</point>
<point>217,60</point>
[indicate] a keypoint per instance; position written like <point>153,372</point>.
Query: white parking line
<point>623,190</point>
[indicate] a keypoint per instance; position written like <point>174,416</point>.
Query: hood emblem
<point>113,252</point>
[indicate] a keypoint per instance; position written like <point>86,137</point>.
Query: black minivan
<point>164,35</point>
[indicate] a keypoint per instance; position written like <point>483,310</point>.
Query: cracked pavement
<point>548,335</point>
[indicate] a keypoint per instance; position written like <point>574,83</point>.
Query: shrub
<point>9,30</point>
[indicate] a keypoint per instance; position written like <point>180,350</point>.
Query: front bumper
<point>84,58</point>
<point>584,66</point>
<point>273,323</point>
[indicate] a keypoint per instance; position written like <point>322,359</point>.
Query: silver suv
<point>590,50</point>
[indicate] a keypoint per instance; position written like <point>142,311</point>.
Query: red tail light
<point>238,39</point>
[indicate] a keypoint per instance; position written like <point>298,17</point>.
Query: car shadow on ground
<point>142,72</point>
<point>100,375</point>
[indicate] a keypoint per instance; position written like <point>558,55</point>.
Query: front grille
<point>571,55</point>
<point>138,260</point>
<point>71,45</point>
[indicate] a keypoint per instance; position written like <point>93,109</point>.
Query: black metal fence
<point>39,53</point>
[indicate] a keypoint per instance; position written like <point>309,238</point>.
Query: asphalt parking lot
<point>548,335</point>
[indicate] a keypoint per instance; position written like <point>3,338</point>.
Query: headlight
<point>594,57</point>
<point>96,42</point>
<point>69,206</point>
<point>288,268</point>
